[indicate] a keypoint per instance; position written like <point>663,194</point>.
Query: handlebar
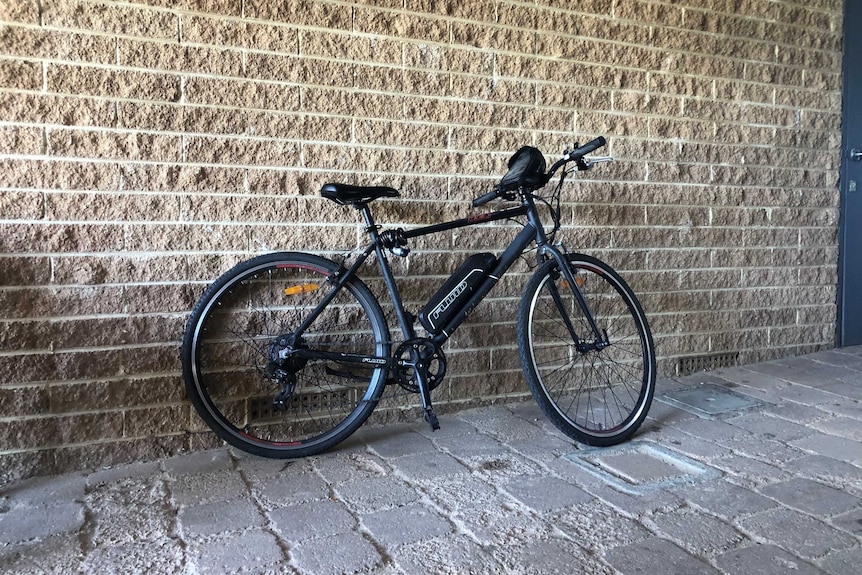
<point>485,198</point>
<point>587,148</point>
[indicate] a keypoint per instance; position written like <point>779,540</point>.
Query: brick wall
<point>146,146</point>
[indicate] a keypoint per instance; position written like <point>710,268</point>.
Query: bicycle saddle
<point>345,194</point>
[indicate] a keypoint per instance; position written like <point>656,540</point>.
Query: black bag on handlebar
<point>526,169</point>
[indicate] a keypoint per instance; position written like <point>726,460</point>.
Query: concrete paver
<point>769,486</point>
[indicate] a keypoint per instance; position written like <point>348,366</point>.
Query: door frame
<point>843,182</point>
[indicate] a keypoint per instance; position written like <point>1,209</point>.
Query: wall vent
<point>697,363</point>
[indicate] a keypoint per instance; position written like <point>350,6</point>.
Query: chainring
<point>410,354</point>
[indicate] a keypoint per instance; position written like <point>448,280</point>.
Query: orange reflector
<point>578,280</point>
<point>301,288</point>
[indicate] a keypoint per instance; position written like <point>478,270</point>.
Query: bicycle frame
<point>533,231</point>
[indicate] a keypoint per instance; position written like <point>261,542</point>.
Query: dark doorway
<point>850,231</point>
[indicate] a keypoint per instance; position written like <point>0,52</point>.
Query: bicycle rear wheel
<point>597,393</point>
<point>232,343</point>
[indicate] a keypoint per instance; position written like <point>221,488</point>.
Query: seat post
<point>370,226</point>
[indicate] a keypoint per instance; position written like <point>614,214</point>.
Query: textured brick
<point>58,45</point>
<point>20,74</point>
<point>116,19</point>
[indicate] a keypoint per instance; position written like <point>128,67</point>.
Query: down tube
<point>507,258</point>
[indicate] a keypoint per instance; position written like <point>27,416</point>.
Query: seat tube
<point>404,321</point>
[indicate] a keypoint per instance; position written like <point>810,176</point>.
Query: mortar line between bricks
<point>175,529</point>
<point>269,524</point>
<point>359,527</point>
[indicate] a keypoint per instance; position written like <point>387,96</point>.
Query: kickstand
<point>431,418</point>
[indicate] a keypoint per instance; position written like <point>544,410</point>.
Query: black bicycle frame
<point>532,231</point>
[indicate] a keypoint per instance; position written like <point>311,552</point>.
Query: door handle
<point>855,155</point>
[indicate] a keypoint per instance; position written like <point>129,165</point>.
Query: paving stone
<point>840,426</point>
<point>811,497</point>
<point>805,395</point>
<point>342,553</point>
<point>57,555</point>
<point>405,524</point>
<point>764,560</point>
<point>545,494</point>
<point>220,517</point>
<point>25,522</point>
<point>796,413</point>
<point>348,467</point>
<point>837,448</point>
<point>375,494</point>
<point>129,512</point>
<point>751,470</point>
<point>710,430</point>
<point>844,562</point>
<point>753,379</point>
<point>290,489</point>
<point>461,492</point>
<point>765,450</point>
<point>199,462</point>
<point>497,466</point>
<point>249,552</point>
<point>163,556</point>
<point>488,520</point>
<point>314,519</point>
<point>726,500</point>
<point>850,521</point>
<point>141,471</point>
<point>824,468</point>
<point>429,466</point>
<point>397,441</point>
<point>197,488</point>
<point>545,554</point>
<point>597,527</point>
<point>769,427</point>
<point>686,444</point>
<point>504,425</point>
<point>634,505</point>
<point>806,536</point>
<point>656,556</point>
<point>455,553</point>
<point>850,390</point>
<point>698,533</point>
<point>46,490</point>
<point>469,445</point>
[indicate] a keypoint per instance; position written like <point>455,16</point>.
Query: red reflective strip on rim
<point>259,440</point>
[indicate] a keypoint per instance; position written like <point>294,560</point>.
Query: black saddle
<point>345,194</point>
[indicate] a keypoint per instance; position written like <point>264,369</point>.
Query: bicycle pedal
<point>431,418</point>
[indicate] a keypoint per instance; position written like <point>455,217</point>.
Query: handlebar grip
<point>588,147</point>
<point>485,198</point>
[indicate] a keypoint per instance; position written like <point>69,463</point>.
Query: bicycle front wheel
<point>595,390</point>
<point>256,400</point>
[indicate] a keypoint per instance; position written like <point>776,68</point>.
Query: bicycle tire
<point>227,343</point>
<point>599,397</point>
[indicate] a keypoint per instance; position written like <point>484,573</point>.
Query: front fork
<point>600,338</point>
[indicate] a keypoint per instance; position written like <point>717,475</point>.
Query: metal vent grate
<point>261,408</point>
<point>697,363</point>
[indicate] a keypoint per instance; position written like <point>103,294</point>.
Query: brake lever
<point>587,163</point>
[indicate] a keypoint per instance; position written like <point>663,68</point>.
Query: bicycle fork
<point>600,339</point>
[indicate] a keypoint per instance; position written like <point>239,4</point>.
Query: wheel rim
<point>601,392</point>
<point>229,356</point>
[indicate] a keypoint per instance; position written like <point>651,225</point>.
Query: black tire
<point>226,350</point>
<point>601,396</point>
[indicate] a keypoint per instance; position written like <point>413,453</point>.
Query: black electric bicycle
<point>287,354</point>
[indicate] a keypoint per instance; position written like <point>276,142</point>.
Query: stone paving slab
<point>497,490</point>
